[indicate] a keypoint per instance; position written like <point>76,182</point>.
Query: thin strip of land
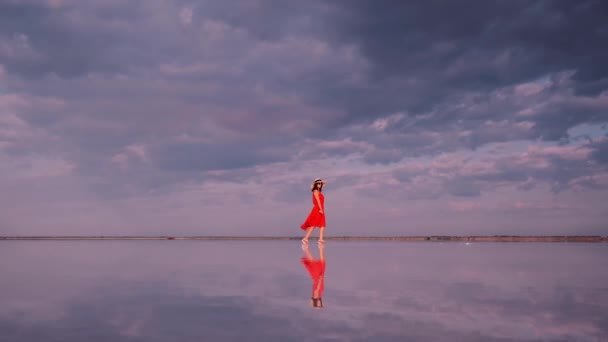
<point>492,238</point>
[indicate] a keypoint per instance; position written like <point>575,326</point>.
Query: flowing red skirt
<point>314,219</point>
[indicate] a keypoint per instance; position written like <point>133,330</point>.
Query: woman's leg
<point>321,231</point>
<point>308,232</point>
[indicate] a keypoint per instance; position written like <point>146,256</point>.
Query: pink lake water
<point>260,290</point>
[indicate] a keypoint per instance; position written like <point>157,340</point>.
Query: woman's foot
<point>321,240</point>
<point>304,241</point>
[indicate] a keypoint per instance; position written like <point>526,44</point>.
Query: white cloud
<point>382,124</point>
<point>131,154</point>
<point>530,88</point>
<point>185,16</point>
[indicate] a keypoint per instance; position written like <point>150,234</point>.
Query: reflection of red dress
<point>315,218</point>
<point>316,269</point>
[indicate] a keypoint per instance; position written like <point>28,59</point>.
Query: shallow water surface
<point>261,290</point>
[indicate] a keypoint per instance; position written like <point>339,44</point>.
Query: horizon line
<point>478,238</point>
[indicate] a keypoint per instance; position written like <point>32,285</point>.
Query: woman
<point>316,270</point>
<point>316,218</point>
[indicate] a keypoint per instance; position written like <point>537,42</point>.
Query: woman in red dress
<point>316,218</point>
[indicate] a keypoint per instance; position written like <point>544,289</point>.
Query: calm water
<point>249,291</point>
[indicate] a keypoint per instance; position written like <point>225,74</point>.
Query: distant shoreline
<point>440,238</point>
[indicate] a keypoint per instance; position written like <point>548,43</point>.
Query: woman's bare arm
<point>316,193</point>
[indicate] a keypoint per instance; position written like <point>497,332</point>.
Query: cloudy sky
<point>212,117</point>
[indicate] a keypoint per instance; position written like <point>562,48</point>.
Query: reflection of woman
<point>316,269</point>
<point>316,218</point>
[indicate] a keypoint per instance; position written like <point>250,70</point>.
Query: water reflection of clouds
<point>484,290</point>
<point>374,291</point>
<point>152,317</point>
<point>162,317</point>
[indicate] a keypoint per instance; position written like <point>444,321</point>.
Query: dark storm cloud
<point>216,74</point>
<point>600,151</point>
<point>74,39</point>
<point>426,54</point>
<point>264,20</point>
<point>39,39</point>
<point>419,36</point>
<point>543,109</point>
<point>212,156</point>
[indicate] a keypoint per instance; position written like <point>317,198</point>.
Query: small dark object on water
<point>170,238</point>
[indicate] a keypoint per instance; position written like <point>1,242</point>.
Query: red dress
<point>315,218</point>
<point>316,269</point>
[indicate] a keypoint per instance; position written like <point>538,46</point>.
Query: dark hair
<point>320,187</point>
